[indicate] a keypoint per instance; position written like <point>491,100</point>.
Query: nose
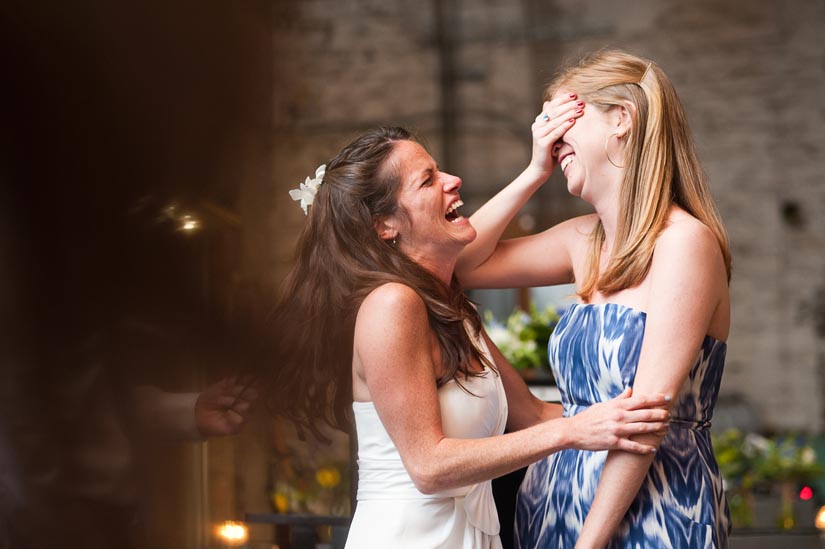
<point>451,183</point>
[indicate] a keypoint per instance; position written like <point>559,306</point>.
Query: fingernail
<point>572,96</point>
<point>579,111</point>
<point>572,120</point>
<point>580,103</point>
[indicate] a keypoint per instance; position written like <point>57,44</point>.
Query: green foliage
<point>754,459</point>
<point>751,462</point>
<point>523,336</point>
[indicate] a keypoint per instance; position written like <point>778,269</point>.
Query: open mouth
<point>566,161</point>
<point>452,212</point>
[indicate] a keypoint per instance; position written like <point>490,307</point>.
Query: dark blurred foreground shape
<point>118,121</point>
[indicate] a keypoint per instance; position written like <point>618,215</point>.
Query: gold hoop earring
<point>607,154</point>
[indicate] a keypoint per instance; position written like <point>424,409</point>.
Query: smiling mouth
<point>452,214</point>
<point>566,161</point>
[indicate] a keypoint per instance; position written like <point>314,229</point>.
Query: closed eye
<point>428,173</point>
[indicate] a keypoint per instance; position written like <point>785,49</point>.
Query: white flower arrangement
<point>307,190</point>
<point>522,337</point>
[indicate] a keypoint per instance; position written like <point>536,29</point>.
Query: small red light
<point>806,493</point>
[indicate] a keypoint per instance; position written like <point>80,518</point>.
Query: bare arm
<point>219,410</point>
<point>165,414</point>
<point>688,285</point>
<point>542,259</point>
<point>223,407</point>
<point>393,354</point>
<point>492,218</point>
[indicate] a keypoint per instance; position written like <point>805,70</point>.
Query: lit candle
<point>232,533</point>
<point>820,519</point>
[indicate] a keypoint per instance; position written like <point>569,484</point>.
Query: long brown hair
<point>340,259</point>
<point>661,165</point>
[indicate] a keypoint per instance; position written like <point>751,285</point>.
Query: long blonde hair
<point>661,166</point>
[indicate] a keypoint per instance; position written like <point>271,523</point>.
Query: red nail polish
<point>572,96</point>
<point>579,111</point>
<point>580,103</point>
<point>572,120</point>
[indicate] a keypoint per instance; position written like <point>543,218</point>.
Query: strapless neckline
<point>643,314</point>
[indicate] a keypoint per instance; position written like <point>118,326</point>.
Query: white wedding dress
<point>392,514</point>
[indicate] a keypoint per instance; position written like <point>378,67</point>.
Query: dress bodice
<point>392,512</point>
<point>594,352</point>
<point>479,411</point>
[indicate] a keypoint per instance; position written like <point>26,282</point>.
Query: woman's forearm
<point>608,425</point>
<point>491,219</point>
<point>620,482</point>
<point>457,462</point>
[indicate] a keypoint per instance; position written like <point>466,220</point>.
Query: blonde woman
<point>651,269</point>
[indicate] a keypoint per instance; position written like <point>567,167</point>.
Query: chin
<point>573,189</point>
<point>471,234</point>
<point>464,239</point>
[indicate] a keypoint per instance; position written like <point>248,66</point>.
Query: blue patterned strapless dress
<point>594,352</point>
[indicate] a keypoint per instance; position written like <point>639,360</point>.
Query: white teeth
<point>566,161</point>
<point>455,205</point>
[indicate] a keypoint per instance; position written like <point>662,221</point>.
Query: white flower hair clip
<point>308,189</point>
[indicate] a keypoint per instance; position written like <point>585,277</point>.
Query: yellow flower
<point>281,502</point>
<point>328,477</point>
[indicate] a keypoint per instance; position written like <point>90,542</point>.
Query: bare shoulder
<point>393,296</point>
<point>688,275</point>
<point>688,248</point>
<point>392,328</point>
<point>392,304</point>
<point>688,237</point>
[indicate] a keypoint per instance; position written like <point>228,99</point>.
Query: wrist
<point>536,174</point>
<point>586,541</point>
<point>560,434</point>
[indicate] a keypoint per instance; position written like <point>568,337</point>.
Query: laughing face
<point>581,153</point>
<point>429,226</point>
